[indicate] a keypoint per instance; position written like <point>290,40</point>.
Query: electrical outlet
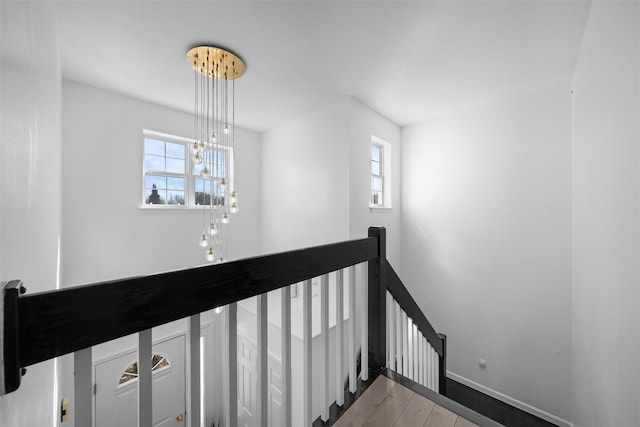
<point>482,363</point>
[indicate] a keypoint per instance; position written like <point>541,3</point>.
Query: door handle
<point>180,417</point>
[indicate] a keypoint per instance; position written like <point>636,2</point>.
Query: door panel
<point>117,404</point>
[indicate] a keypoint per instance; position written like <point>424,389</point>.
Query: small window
<point>380,174</point>
<point>172,180</point>
<point>158,362</point>
<point>377,192</point>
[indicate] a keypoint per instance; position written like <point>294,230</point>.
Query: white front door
<point>116,392</point>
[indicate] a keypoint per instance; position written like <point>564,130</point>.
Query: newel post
<point>10,371</point>
<point>377,294</point>
<point>442,366</point>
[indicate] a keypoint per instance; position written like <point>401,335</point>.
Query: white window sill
<point>172,207</point>
<point>380,209</point>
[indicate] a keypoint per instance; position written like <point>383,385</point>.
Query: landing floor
<point>386,403</point>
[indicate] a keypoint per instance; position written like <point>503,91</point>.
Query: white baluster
<point>352,330</point>
<point>286,355</point>
<point>364,351</point>
<point>339,337</point>
<point>230,380</point>
<point>82,384</point>
<point>429,368</point>
<point>415,352</point>
<point>436,381</point>
<point>405,352</point>
<point>420,359</point>
<point>262,391</point>
<point>145,409</point>
<point>193,332</point>
<point>425,345</point>
<point>410,344</point>
<point>306,353</point>
<point>324,331</point>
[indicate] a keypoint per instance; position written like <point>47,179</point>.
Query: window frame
<point>385,175</point>
<point>188,176</point>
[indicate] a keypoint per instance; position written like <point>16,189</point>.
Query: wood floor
<point>388,404</point>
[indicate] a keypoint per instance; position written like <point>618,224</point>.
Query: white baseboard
<point>510,400</point>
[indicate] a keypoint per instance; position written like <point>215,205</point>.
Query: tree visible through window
<point>171,179</point>
<point>164,165</point>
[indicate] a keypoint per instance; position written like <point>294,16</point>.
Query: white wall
<point>606,246</point>
<point>316,178</point>
<point>486,214</point>
<point>107,234</point>
<point>305,180</point>
<point>30,181</point>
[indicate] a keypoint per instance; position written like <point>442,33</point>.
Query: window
<point>377,178</point>
<point>158,362</point>
<point>380,174</point>
<point>172,180</point>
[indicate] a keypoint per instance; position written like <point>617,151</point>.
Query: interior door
<point>248,385</point>
<point>116,392</point>
<point>247,381</point>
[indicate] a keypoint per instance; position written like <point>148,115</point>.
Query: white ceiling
<point>407,60</point>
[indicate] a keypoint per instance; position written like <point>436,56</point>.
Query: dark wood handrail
<point>40,326</point>
<point>55,323</point>
<point>408,304</point>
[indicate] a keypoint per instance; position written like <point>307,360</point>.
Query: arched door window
<point>158,362</point>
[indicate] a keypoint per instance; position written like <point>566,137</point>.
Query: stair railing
<point>400,336</point>
<point>46,325</point>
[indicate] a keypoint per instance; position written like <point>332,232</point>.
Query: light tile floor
<point>388,404</point>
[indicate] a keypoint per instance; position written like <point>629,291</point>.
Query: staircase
<point>400,348</point>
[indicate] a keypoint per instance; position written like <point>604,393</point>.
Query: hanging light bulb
<point>213,137</point>
<point>234,207</point>
<point>201,147</point>
<point>225,218</point>
<point>193,148</point>
<point>213,230</point>
<point>210,255</point>
<point>203,240</point>
<point>197,159</point>
<point>226,129</point>
<point>220,260</point>
<point>234,197</point>
<point>222,184</point>
<point>205,173</point>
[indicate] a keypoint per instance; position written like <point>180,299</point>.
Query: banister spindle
<point>324,333</point>
<point>263,359</point>
<point>230,395</point>
<point>352,330</point>
<point>286,355</point>
<point>193,329</point>
<point>365,327</point>
<point>391,333</point>
<point>82,387</point>
<point>306,353</point>
<point>339,338</point>
<point>145,400</point>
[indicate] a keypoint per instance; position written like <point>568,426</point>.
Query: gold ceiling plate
<point>216,62</point>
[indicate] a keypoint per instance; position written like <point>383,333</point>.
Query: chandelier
<point>215,71</point>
